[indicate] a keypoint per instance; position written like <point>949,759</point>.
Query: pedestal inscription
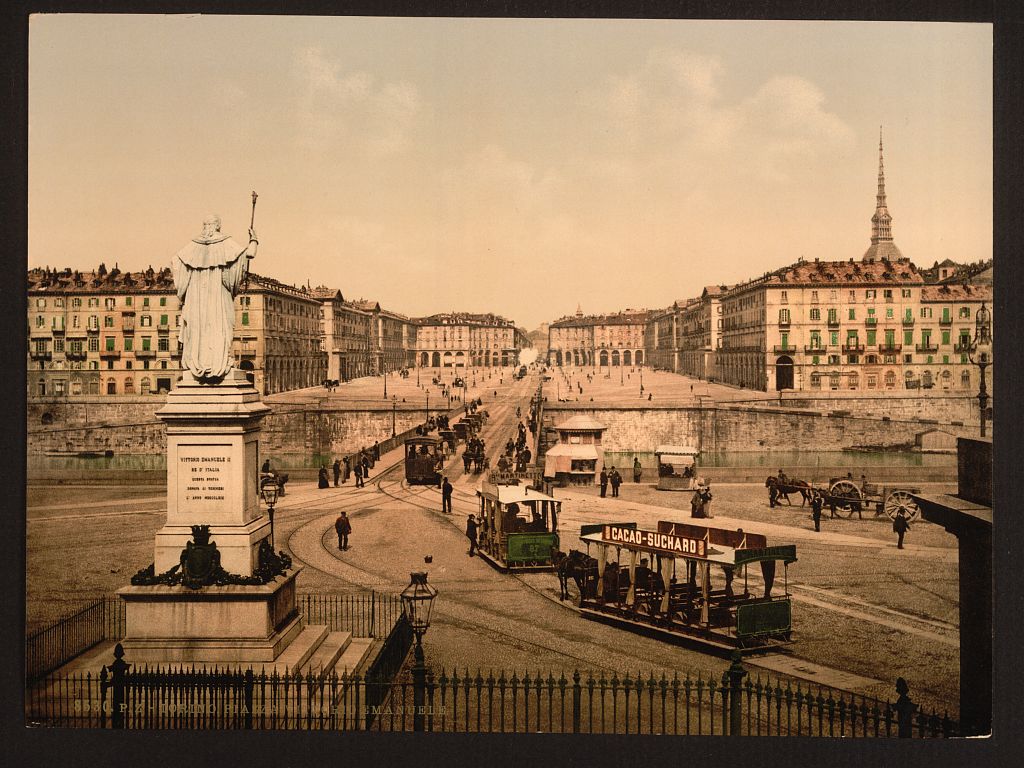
<point>203,478</point>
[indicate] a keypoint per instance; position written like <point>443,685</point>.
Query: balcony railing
<point>784,322</point>
<point>110,354</point>
<point>163,327</point>
<point>947,321</point>
<point>784,348</point>
<point>870,321</point>
<point>145,353</point>
<point>73,355</point>
<point>963,348</point>
<point>908,320</point>
<point>853,349</point>
<point>36,354</point>
<point>814,349</point>
<point>93,329</point>
<point>128,327</point>
<point>890,349</point>
<point>927,347</point>
<point>57,330</point>
<point>832,322</point>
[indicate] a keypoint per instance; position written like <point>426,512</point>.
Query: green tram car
<point>689,583</point>
<point>520,525</point>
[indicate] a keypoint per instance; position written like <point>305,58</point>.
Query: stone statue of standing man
<point>207,274</point>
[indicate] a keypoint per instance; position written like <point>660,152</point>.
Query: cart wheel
<point>901,500</point>
<point>847,497</point>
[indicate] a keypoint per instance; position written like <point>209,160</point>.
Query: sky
<point>522,167</point>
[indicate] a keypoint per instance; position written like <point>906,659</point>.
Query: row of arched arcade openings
<point>486,359</point>
<point>871,378</point>
<point>603,358</point>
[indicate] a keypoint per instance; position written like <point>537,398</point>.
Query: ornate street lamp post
<point>394,406</point>
<point>428,405</point>
<point>385,385</point>
<point>417,602</point>
<point>981,356</point>
<point>269,491</point>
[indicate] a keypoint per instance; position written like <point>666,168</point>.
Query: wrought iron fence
<point>364,615</point>
<point>506,702</point>
<point>53,646</point>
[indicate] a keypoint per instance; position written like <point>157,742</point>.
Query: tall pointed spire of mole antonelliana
<point>882,246</point>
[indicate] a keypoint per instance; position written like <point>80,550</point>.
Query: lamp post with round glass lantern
<point>981,356</point>
<point>417,602</point>
<point>269,490</point>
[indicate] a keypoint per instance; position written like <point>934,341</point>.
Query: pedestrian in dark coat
<point>365,461</point>
<point>900,526</point>
<point>376,451</point>
<point>348,469</point>
<point>816,504</point>
<point>637,469</point>
<point>604,482</point>
<point>359,475</point>
<point>616,481</point>
<point>471,534</point>
<point>446,496</point>
<point>322,481</point>
<point>337,472</point>
<point>343,528</point>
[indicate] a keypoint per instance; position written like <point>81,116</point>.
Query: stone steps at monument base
<point>327,653</point>
<point>354,656</point>
<point>300,649</point>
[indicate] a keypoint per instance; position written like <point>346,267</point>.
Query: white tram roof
<point>676,450</point>
<point>515,494</point>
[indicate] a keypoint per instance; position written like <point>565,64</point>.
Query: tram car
<point>688,583</point>
<point>424,460</point>
<point>677,467</point>
<point>520,525</point>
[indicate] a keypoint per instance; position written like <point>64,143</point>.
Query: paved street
<point>895,610</point>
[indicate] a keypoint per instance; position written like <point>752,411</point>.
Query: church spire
<point>882,245</point>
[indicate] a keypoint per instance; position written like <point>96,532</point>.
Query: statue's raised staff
<point>208,273</point>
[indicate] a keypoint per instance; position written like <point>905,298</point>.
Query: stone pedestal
<point>232,624</point>
<point>212,480</point>
<point>213,471</point>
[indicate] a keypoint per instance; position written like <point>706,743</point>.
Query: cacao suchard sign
<point>654,541</point>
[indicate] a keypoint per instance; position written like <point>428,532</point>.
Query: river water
<point>768,459</point>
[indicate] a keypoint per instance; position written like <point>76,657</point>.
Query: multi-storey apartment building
<point>684,338</point>
<point>599,340</point>
<point>279,335</point>
<point>111,332</point>
<point>102,332</point>
<point>462,339</point>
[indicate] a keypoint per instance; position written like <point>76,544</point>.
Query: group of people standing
<point>612,477</point>
<point>358,464</point>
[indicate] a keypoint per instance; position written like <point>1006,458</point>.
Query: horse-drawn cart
<point>847,496</point>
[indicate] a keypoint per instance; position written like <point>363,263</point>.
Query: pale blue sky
<point>514,166</point>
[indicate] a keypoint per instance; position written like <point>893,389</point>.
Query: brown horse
<point>782,490</point>
<point>576,565</point>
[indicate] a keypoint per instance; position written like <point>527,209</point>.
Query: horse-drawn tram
<point>424,460</point>
<point>520,524</point>
<point>688,583</point>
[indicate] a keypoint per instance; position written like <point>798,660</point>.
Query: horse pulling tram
<point>680,582</point>
<point>424,460</point>
<point>520,524</point>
